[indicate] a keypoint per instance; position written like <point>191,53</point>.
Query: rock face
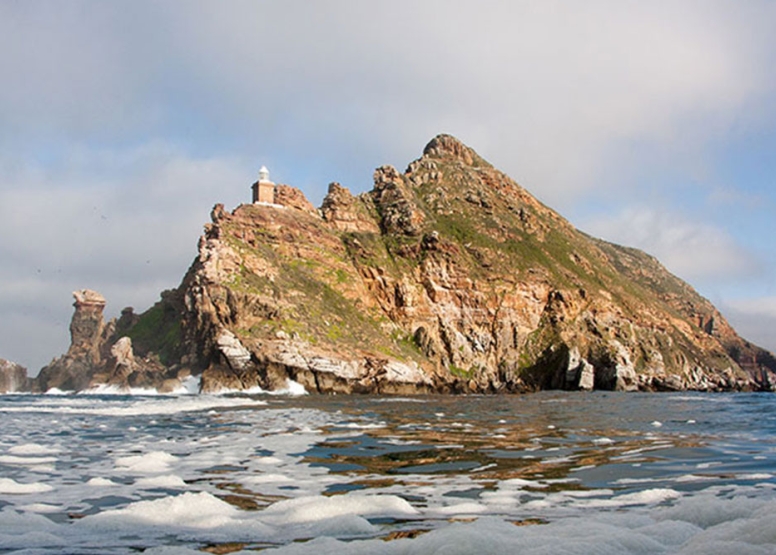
<point>345,212</point>
<point>99,353</point>
<point>447,277</point>
<point>13,377</point>
<point>291,197</point>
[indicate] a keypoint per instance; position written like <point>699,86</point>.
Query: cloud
<point>73,69</point>
<point>549,91</point>
<point>696,251</point>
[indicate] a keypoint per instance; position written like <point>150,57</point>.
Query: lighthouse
<point>264,189</point>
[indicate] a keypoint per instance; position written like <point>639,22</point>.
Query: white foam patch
<point>188,510</point>
<point>647,497</point>
<point>363,426</point>
<point>629,481</point>
<point>155,462</point>
<point>43,508</point>
<point>33,449</point>
<point>56,391</point>
<point>168,481</point>
<point>200,517</point>
<point>605,533</point>
<point>255,390</point>
<point>558,460</point>
<point>189,386</point>
<point>688,478</point>
<point>516,483</point>
<point>292,389</point>
<point>469,508</point>
<point>318,508</point>
<point>295,388</point>
<point>99,482</point>
<point>89,405</point>
<point>25,461</point>
<point>390,399</point>
<point>706,510</point>
<point>106,389</point>
<point>755,476</point>
<point>603,441</point>
<point>9,486</point>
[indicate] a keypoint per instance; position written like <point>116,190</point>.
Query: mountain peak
<point>447,146</point>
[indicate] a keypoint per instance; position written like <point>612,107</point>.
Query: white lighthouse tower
<point>264,189</point>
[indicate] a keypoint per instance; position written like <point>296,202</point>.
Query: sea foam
<point>319,476</point>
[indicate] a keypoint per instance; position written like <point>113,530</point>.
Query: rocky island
<point>448,277</point>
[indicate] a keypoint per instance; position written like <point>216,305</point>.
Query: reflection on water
<point>494,439</point>
<point>532,459</point>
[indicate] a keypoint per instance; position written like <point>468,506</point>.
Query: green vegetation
<point>317,310</point>
<point>158,330</point>
<point>461,373</point>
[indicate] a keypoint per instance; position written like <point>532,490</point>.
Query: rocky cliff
<point>448,277</point>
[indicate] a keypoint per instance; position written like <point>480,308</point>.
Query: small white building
<point>264,189</point>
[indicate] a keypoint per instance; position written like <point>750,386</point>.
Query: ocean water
<point>549,473</point>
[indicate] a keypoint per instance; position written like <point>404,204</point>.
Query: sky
<point>650,124</point>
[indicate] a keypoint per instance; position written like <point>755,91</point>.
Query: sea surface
<point>548,473</point>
